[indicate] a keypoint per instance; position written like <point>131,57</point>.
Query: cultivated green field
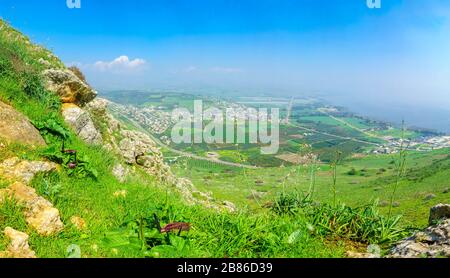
<point>429,174</point>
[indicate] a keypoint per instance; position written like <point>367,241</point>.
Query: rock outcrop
<point>75,93</point>
<point>14,169</point>
<point>134,145</point>
<point>81,123</point>
<point>433,242</point>
<point>15,127</point>
<point>68,86</point>
<point>439,212</point>
<point>120,172</point>
<point>39,213</point>
<point>18,247</point>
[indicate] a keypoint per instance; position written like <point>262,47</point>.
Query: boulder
<point>15,127</point>
<point>134,145</point>
<point>439,212</point>
<point>433,242</point>
<point>68,86</point>
<point>429,197</point>
<point>14,169</point>
<point>229,206</point>
<point>98,108</point>
<point>39,213</point>
<point>19,247</point>
<point>120,172</point>
<point>80,121</point>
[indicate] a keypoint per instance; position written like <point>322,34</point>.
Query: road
<point>289,111</point>
<point>232,164</point>
<point>334,135</point>
<point>186,154</point>
<point>350,125</point>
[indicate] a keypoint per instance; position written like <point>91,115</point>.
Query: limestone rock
<point>429,197</point>
<point>18,248</point>
<point>229,206</point>
<point>68,86</point>
<point>434,242</point>
<point>15,127</point>
<point>24,171</point>
<point>44,62</point>
<point>120,172</point>
<point>439,212</point>
<point>80,121</point>
<point>357,255</point>
<point>134,145</point>
<point>39,213</point>
<point>98,108</point>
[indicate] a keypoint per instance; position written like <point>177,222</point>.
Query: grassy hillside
<point>122,218</point>
<point>359,181</point>
<point>114,223</point>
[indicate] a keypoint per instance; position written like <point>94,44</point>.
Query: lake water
<point>394,112</point>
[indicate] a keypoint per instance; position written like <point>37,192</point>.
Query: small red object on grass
<point>179,226</point>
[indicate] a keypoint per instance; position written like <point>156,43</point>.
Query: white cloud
<point>226,70</point>
<point>122,63</point>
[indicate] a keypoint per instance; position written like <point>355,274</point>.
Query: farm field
<point>372,180</point>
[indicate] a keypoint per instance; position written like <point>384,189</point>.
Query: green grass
<point>122,227</point>
<point>213,233</point>
<point>372,182</point>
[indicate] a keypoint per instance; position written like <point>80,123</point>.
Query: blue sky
<point>340,47</point>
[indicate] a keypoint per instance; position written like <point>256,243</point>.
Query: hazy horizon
<point>395,58</point>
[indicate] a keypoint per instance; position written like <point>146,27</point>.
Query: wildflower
<point>94,247</point>
<point>120,193</point>
<point>72,165</point>
<point>178,226</point>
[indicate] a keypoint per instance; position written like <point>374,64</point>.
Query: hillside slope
<point>75,182</point>
<point>93,188</point>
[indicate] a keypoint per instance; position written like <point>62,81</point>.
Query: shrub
<point>352,172</point>
<point>362,224</point>
<point>78,73</point>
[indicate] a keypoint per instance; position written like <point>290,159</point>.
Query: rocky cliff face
<point>15,127</point>
<point>69,87</point>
